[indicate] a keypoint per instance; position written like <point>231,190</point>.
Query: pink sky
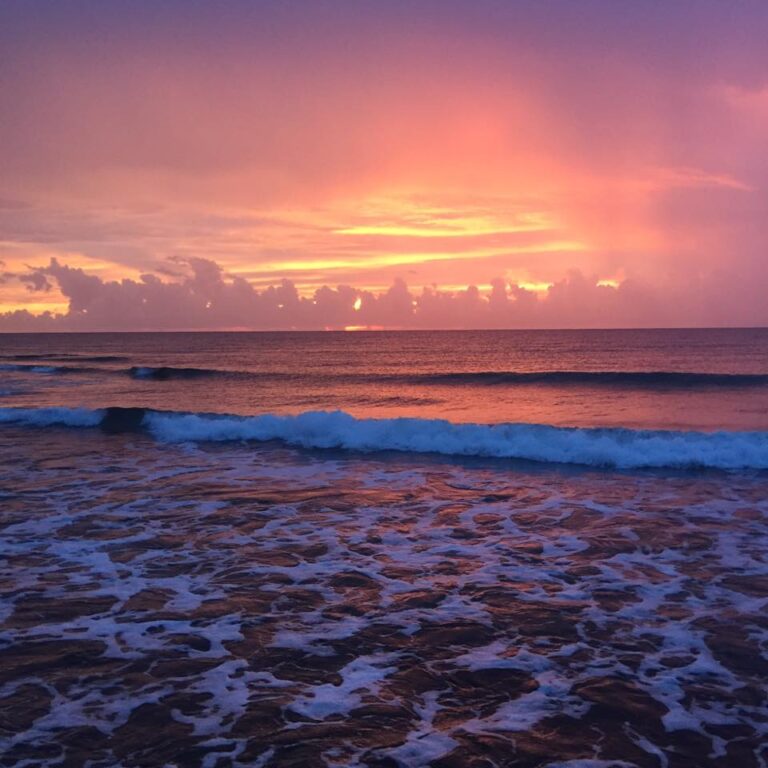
<point>581,164</point>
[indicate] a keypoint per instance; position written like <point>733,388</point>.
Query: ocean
<point>480,548</point>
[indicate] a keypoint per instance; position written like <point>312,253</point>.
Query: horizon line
<point>357,331</point>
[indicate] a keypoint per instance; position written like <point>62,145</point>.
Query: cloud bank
<point>206,298</point>
<point>360,144</point>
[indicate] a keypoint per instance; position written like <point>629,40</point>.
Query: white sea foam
<point>362,675</point>
<point>596,447</point>
<point>235,578</point>
<point>602,447</point>
<point>425,743</point>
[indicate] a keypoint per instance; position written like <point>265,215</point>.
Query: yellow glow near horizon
<point>455,227</point>
<point>36,307</point>
<point>367,261</point>
<point>423,236</point>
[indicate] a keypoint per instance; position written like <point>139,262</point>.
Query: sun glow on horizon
<point>441,149</point>
<point>368,261</point>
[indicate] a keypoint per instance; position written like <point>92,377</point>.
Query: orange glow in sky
<point>485,143</point>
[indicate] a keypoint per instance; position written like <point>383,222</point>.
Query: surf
<point>619,448</point>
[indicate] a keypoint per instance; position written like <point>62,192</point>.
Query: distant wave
<point>646,379</point>
<point>159,373</point>
<point>54,370</point>
<point>164,372</point>
<point>609,379</point>
<point>17,368</point>
<point>52,417</point>
<point>621,448</point>
<point>66,357</point>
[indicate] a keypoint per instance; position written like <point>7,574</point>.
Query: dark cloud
<point>36,280</point>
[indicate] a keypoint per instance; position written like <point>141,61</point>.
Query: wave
<point>599,447</point>
<point>611,379</point>
<point>618,379</point>
<point>17,368</point>
<point>52,370</point>
<point>52,417</point>
<point>159,373</point>
<point>69,356</point>
<point>164,372</point>
<point>629,379</point>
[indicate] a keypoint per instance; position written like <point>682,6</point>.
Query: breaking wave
<point>599,447</point>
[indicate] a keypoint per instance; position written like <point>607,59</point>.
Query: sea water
<point>382,549</point>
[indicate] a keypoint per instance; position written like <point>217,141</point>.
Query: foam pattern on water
<point>238,606</point>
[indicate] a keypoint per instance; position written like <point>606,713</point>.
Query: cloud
<point>357,143</point>
<point>207,298</point>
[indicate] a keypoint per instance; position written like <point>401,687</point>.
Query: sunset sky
<point>580,163</point>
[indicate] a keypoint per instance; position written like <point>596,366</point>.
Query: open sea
<point>544,549</point>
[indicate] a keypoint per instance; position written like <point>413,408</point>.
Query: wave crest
<point>619,448</point>
<point>164,372</point>
<point>618,379</point>
<point>611,379</point>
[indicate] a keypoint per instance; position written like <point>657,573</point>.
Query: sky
<point>484,163</point>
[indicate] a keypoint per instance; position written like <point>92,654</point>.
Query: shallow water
<point>539,549</point>
<point>230,605</point>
